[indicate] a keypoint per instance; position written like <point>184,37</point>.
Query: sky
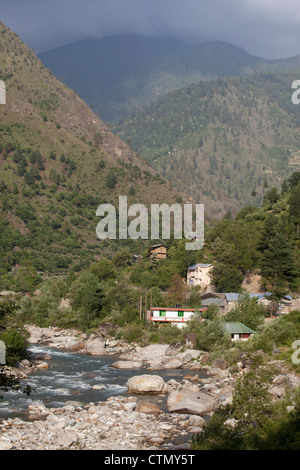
<point>266,28</point>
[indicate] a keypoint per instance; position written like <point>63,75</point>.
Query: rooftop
<point>202,265</point>
<point>237,328</point>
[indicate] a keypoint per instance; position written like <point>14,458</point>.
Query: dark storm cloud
<point>270,28</point>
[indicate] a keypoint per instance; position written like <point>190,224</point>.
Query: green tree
<point>212,334</point>
<point>278,263</point>
<point>111,179</point>
<point>104,270</point>
<point>195,299</point>
<point>88,298</point>
<point>175,295</point>
<point>212,313</point>
<point>294,209</point>
<point>248,311</point>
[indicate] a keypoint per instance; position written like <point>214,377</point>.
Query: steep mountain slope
<point>223,141</point>
<point>119,74</point>
<point>58,162</point>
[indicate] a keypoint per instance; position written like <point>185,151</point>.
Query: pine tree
<point>278,263</point>
<point>295,207</point>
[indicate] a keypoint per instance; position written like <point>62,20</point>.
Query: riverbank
<point>132,420</point>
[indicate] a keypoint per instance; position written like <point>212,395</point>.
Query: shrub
<point>132,332</point>
<point>16,346</point>
<point>212,334</point>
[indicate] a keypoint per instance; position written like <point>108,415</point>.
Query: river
<point>71,377</point>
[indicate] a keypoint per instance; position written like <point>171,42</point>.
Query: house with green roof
<point>238,331</point>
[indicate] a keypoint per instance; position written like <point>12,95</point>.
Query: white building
<point>176,316</point>
<point>199,275</point>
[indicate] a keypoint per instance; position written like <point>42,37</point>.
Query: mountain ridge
<point>118,74</point>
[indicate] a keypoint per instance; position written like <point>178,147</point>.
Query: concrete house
<point>199,275</point>
<point>284,306</point>
<point>175,316</point>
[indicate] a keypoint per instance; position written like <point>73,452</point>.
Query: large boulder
<point>147,384</point>
<point>95,346</point>
<point>190,402</point>
<point>170,362</point>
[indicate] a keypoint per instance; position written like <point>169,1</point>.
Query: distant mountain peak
<point>121,73</point>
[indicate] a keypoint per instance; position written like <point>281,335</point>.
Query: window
<point>162,313</point>
<point>180,314</point>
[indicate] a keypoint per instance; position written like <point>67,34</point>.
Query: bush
<point>170,334</point>
<point>212,334</point>
<point>16,346</point>
<point>132,333</point>
<point>284,331</point>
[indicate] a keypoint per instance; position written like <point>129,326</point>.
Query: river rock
<point>186,401</point>
<point>147,384</point>
<point>95,346</point>
<point>148,408</point>
<point>127,365</point>
<point>67,439</point>
<point>173,363</point>
<point>173,349</point>
<point>197,421</point>
<point>5,444</point>
<point>77,346</point>
<point>231,423</point>
<point>42,365</point>
<point>220,363</point>
<point>217,372</point>
<point>277,391</point>
<point>98,387</point>
<point>40,356</point>
<point>279,379</point>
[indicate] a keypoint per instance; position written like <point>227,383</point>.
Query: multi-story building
<point>199,275</point>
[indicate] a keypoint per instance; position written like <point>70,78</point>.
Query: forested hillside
<point>261,239</point>
<point>58,163</point>
<point>223,141</point>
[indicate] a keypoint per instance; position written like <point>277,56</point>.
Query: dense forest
<point>224,141</point>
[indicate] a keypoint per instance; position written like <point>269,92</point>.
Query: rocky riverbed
<point>118,423</point>
<point>129,421</point>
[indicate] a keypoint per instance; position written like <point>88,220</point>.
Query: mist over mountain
<point>119,74</point>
